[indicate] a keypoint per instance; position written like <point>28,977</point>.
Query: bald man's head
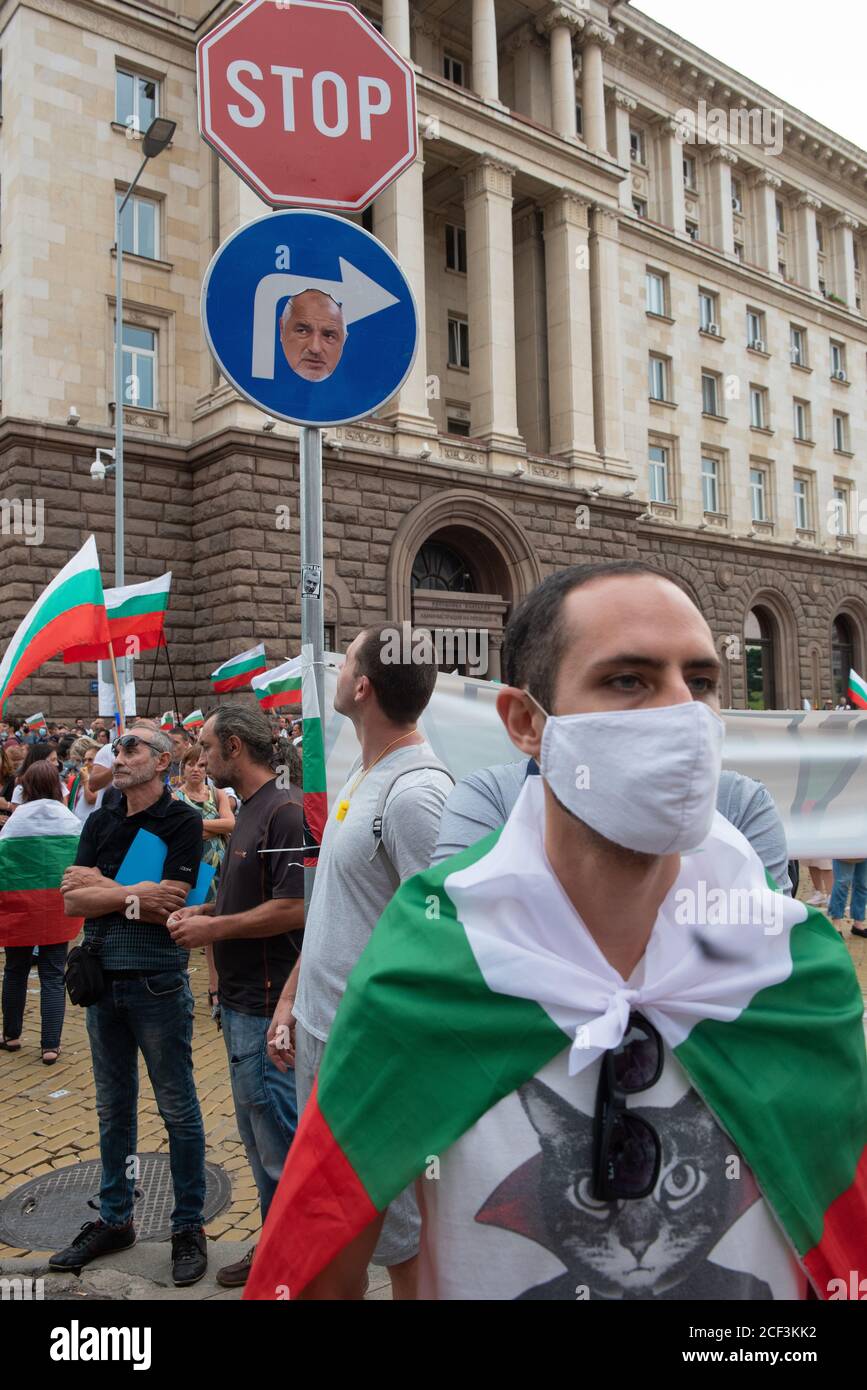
<point>313,334</point>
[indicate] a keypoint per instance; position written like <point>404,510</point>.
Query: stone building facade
<point>631,310</point>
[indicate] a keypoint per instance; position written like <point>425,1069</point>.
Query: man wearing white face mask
<point>587,1034</point>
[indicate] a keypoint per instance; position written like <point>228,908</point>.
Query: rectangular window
<point>139,367</point>
<point>636,147</point>
<point>136,99</point>
<point>639,207</point>
<point>781,270</point>
<point>707,311</point>
<point>709,394</point>
<point>658,473</point>
<point>456,248</point>
<point>823,288</point>
<point>579,118</point>
<point>758,408</point>
<point>459,343</point>
<point>856,254</point>
<point>841,431</point>
<point>453,69</point>
<point>689,172</point>
<point>737,195</point>
<point>655,292</point>
<point>456,426</point>
<point>838,361</point>
<point>840,519</point>
<point>820,235</point>
<point>781,217</point>
<point>802,504</point>
<point>692,230</point>
<point>739,250</point>
<point>139,226</point>
<point>800,421</point>
<point>758,494</point>
<point>755,329</point>
<point>658,379</point>
<point>798,343</point>
<point>710,484</point>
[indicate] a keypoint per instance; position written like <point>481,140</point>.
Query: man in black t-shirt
<point>255,926</point>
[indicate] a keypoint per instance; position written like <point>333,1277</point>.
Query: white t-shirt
<point>18,791</point>
<point>511,1215</point>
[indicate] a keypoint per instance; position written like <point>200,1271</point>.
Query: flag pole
<point>117,694</point>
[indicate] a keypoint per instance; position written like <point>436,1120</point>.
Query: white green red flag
<point>279,687</point>
<point>136,616</point>
<point>68,613</point>
<point>168,720</point>
<point>194,720</point>
<point>37,844</point>
<point>857,690</point>
<point>36,723</point>
<point>238,671</point>
<point>449,1011</point>
<point>315,792</point>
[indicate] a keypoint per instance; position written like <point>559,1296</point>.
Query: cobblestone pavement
<point>40,1131</point>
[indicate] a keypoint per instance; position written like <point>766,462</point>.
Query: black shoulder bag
<point>85,982</point>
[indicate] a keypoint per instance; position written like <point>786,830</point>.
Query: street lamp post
<point>157,136</point>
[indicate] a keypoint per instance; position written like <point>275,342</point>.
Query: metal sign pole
<point>312,605</point>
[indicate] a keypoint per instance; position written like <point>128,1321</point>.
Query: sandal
<point>10,1046</point>
<point>50,1055</point>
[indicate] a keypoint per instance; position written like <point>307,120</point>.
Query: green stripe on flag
<point>81,589</point>
<point>30,861</point>
<point>144,603</point>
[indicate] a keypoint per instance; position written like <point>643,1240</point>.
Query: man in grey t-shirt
<point>381,829</point>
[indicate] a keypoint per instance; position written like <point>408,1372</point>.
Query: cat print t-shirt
<point>511,1214</point>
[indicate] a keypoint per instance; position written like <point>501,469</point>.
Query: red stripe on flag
<point>99,651</point>
<point>35,917</point>
<point>318,1208</point>
<point>857,700</point>
<point>236,682</point>
<point>316,813</point>
<point>843,1247</point>
<point>76,625</point>
<point>283,697</point>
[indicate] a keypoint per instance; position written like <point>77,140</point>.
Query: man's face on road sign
<point>313,333</point>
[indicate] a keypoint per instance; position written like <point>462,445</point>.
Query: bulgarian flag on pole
<point>857,690</point>
<point>449,1011</point>
<point>37,845</point>
<point>168,720</point>
<point>194,720</point>
<point>279,687</point>
<point>315,793</point>
<point>71,611</point>
<point>238,671</point>
<point>136,614</point>
<point>36,723</point>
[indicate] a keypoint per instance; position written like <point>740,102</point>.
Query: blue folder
<point>144,860</point>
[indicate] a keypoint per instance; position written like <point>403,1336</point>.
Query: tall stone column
<point>807,250</point>
<point>531,336</point>
<point>671,203</point>
<point>605,328</point>
<point>398,219</point>
<point>844,257</point>
<point>561,22</point>
<point>486,82</point>
<point>570,366</point>
<point>491,302</point>
<point>766,186</point>
<point>595,37</point>
<point>395,24</point>
<point>721,232</point>
<point>622,106</point>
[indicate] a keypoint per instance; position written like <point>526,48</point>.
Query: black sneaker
<point>94,1239</point>
<point>189,1257</point>
<point>859,931</point>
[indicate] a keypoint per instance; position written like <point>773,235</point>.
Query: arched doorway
<point>760,651</point>
<point>842,654</point>
<point>439,566</point>
<point>460,593</point>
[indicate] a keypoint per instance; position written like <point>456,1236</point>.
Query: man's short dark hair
<point>535,638</point>
<point>402,688</point>
<point>250,725</point>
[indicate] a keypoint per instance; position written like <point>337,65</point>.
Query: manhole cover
<point>46,1212</point>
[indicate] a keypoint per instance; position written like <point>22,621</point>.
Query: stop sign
<point>307,103</point>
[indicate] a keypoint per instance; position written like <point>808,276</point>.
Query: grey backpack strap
<point>424,762</point>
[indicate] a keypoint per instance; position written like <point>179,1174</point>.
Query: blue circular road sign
<point>309,317</point>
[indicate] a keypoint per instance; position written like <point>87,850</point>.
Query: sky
<point>811,57</point>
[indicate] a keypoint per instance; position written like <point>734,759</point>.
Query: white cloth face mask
<point>646,779</point>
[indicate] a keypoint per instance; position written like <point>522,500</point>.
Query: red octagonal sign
<point>307,103</point>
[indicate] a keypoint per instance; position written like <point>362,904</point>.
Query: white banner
<point>107,697</point>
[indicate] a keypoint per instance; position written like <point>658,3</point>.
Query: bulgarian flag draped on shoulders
<point>477,975</point>
<point>69,612</point>
<point>238,671</point>
<point>37,844</point>
<point>136,613</point>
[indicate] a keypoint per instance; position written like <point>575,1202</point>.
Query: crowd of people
<point>615,652</point>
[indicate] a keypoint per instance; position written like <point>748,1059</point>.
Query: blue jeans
<point>265,1104</point>
<point>846,875</point>
<point>52,995</point>
<point>152,1015</point>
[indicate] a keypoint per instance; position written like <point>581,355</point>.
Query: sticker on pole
<point>310,318</point>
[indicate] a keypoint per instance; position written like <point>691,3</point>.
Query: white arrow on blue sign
<point>310,317</point>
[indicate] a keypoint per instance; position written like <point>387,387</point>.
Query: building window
<point>798,344</point>
<point>453,69</point>
<point>802,504</point>
<point>689,172</point>
<point>781,217</point>
<point>781,270</point>
<point>758,494</point>
<point>658,379</point>
<point>710,393</point>
<point>841,431</point>
<point>438,566</point>
<point>456,425</point>
<point>758,408</point>
<point>456,248</point>
<point>636,147</point>
<point>710,484</point>
<point>139,367</point>
<point>820,235</point>
<point>139,226</point>
<point>639,207</point>
<point>579,118</point>
<point>802,419</point>
<point>656,296</point>
<point>136,99</point>
<point>459,342</point>
<point>842,655</point>
<point>708,314</point>
<point>838,361</point>
<point>739,250</point>
<point>759,649</point>
<point>823,288</point>
<point>737,195</point>
<point>839,522</point>
<point>658,459</point>
<point>692,230</point>
<point>756,330</point>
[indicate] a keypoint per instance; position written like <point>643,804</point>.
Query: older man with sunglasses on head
<point>146,1005</point>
